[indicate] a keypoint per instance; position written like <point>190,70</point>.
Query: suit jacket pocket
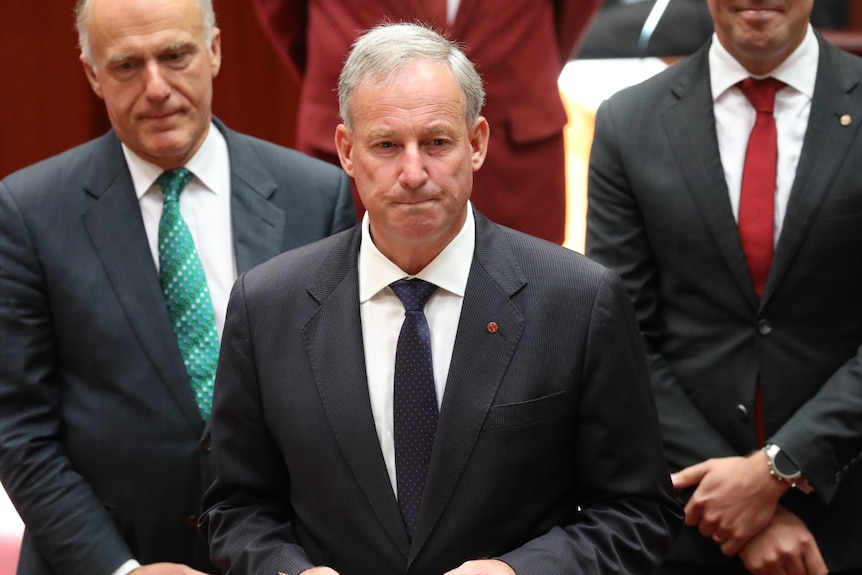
<point>526,412</point>
<point>537,120</point>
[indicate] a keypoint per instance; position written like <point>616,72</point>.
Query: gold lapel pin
<point>846,120</point>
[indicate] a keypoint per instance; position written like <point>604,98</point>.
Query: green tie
<point>186,293</point>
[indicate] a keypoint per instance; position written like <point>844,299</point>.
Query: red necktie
<point>757,197</point>
<point>757,200</point>
<point>438,11</point>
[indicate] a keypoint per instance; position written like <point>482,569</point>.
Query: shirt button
<point>764,327</point>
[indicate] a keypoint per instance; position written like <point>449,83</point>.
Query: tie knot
<point>761,93</point>
<point>173,182</point>
<point>413,293</point>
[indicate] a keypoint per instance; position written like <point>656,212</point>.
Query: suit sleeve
<point>62,514</point>
<point>629,517</point>
<point>284,23</point>
<point>249,475</point>
<point>617,237</point>
<point>824,437</point>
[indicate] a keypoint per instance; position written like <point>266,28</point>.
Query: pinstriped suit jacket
<point>538,420</point>
<point>102,448</point>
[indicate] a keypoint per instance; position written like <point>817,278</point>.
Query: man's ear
<point>344,146</point>
<point>479,133</point>
<point>215,53</point>
<point>90,72</point>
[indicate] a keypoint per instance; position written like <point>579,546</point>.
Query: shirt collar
<point>449,270</point>
<point>798,70</point>
<point>204,164</point>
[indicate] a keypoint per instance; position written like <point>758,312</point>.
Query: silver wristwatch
<point>780,466</point>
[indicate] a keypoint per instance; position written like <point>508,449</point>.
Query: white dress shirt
<point>382,315</point>
<point>451,10</point>
<point>734,116</point>
<point>205,207</point>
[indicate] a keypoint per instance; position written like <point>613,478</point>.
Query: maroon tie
<point>757,197</point>
<point>438,9</point>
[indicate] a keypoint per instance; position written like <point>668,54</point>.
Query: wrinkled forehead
<point>144,24</point>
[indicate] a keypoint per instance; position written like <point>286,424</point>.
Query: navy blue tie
<point>415,399</point>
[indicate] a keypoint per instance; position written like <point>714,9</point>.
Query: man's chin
<point>167,152</point>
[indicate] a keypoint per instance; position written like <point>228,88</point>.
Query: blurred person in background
<point>519,47</point>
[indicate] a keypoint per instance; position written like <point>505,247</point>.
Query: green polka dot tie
<point>186,293</point>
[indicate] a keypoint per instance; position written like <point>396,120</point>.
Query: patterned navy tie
<point>415,399</point>
<point>186,292</point>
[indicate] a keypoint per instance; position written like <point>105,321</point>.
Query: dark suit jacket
<point>683,27</point>
<point>519,47</point>
<point>102,448</point>
<point>616,30</point>
<point>660,215</point>
<point>537,419</point>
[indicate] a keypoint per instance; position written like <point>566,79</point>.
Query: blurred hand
<point>735,498</point>
<point>784,547</point>
<point>318,571</point>
<point>483,567</point>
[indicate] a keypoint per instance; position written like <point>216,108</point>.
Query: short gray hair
<point>82,9</point>
<point>386,50</point>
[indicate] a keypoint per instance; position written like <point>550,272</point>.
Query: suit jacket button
<point>206,445</point>
<point>764,327</point>
<point>741,411</point>
<point>191,521</point>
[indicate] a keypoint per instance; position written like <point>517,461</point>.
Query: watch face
<point>784,465</point>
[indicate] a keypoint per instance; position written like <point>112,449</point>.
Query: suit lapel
<point>258,224</point>
<point>699,163</point>
<point>479,361</point>
<point>333,339</point>
<point>824,151</point>
<point>116,228</point>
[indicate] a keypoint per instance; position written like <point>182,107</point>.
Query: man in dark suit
<point>523,459</point>
<point>754,352</point>
<point>520,48</point>
<point>638,28</point>
<point>104,449</point>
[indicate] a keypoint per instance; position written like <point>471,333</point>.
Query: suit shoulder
<point>297,267</point>
<point>57,174</point>
<point>833,57</point>
<point>542,258</point>
<point>649,93</point>
<point>59,165</point>
<point>558,276</point>
<point>278,157</point>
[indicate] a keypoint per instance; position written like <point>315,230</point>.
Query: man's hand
<point>483,567</point>
<point>165,569</point>
<point>784,546</point>
<point>317,571</point>
<point>735,498</point>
